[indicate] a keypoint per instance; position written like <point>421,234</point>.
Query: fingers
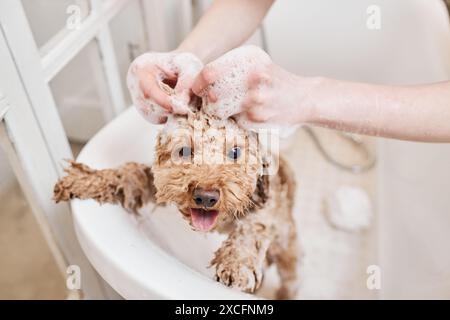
<point>188,67</point>
<point>256,103</point>
<point>212,97</point>
<point>259,105</point>
<point>257,79</point>
<point>252,99</point>
<point>180,100</point>
<point>258,114</point>
<point>203,81</point>
<point>151,89</point>
<point>253,105</point>
<point>169,74</point>
<point>145,78</point>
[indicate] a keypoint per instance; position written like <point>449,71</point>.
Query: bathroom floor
<point>27,267</point>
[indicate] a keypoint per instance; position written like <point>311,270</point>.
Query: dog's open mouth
<point>203,220</point>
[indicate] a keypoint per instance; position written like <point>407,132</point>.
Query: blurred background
<point>408,187</point>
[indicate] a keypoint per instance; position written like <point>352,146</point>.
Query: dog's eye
<point>234,153</point>
<point>185,152</point>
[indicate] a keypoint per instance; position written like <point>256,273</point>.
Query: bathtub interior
<point>334,261</point>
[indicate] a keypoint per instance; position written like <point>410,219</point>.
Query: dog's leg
<point>241,259</point>
<point>286,258</point>
<point>284,250</point>
<point>131,185</point>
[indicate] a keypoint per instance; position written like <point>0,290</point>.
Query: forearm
<point>420,113</point>
<point>225,25</point>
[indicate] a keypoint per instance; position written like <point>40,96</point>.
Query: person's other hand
<point>245,83</point>
<point>277,96</point>
<point>223,82</point>
<point>146,78</point>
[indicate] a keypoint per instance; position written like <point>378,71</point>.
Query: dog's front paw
<point>242,274</point>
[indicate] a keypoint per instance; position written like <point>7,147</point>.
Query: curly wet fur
<point>208,168</point>
<point>130,185</point>
<point>254,209</point>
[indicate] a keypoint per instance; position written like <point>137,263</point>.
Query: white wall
<point>330,38</point>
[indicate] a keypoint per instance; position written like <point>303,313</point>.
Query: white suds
<point>234,68</point>
<point>349,209</point>
<point>231,88</point>
<point>185,65</point>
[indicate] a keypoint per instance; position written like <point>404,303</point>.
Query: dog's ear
<point>261,194</point>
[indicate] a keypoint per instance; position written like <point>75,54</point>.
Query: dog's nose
<point>205,198</point>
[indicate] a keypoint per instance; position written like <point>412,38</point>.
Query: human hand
<point>223,82</point>
<point>277,96</point>
<point>148,77</point>
<point>245,83</point>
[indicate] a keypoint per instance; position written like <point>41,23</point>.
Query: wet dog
<point>221,178</point>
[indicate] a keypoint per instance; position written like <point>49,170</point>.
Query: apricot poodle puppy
<point>221,178</point>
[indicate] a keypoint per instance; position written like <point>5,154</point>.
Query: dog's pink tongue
<point>203,220</point>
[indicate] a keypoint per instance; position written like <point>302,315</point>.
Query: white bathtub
<point>159,257</point>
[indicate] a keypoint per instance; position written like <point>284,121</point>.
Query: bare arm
<point>225,25</point>
<point>420,113</point>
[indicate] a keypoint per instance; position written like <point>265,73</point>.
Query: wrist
<point>311,93</point>
<point>201,53</point>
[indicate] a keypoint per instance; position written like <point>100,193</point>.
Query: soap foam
<point>185,65</point>
<point>231,88</point>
